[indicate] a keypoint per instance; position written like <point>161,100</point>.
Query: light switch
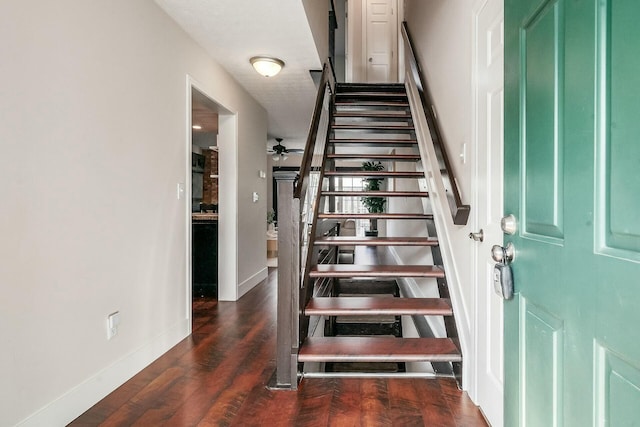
<point>113,321</point>
<point>262,174</point>
<point>463,154</point>
<point>180,193</point>
<point>256,197</point>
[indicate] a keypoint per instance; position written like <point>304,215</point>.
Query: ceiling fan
<point>280,151</point>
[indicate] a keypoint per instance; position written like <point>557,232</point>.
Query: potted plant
<point>373,204</point>
<point>271,220</point>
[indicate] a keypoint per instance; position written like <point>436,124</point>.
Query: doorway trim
<point>228,199</point>
<point>486,387</point>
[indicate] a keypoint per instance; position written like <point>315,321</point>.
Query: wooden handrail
<point>328,78</point>
<point>459,210</point>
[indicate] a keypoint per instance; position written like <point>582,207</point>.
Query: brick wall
<point>210,185</point>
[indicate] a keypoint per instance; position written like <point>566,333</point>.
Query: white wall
<point>442,33</point>
<point>354,58</point>
<point>93,108</point>
<point>318,16</point>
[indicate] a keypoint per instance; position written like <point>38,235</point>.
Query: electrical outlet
<point>113,321</point>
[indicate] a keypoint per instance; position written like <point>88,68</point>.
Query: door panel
<point>541,361</point>
<point>541,54</point>
<point>619,107</point>
<point>571,177</point>
<point>617,389</point>
<point>380,41</point>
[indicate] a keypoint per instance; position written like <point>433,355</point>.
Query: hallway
<point>217,377</point>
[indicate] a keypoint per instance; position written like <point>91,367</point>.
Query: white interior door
<point>488,65</point>
<point>380,41</point>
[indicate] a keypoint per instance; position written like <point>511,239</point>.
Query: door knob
<point>509,224</point>
<point>477,236</point>
<point>370,59</point>
<point>503,255</point>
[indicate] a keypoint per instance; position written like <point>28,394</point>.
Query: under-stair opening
<point>361,312</point>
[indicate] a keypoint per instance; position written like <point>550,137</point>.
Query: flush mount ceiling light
<point>267,66</point>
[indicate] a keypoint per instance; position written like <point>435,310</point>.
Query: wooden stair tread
<point>376,241</point>
<point>384,215</point>
<point>354,306</point>
<point>392,157</point>
<point>372,127</point>
<point>349,104</point>
<point>377,193</point>
<point>398,114</point>
<point>346,87</point>
<point>355,270</point>
<point>374,94</point>
<point>381,174</point>
<point>378,349</point>
<point>374,142</point>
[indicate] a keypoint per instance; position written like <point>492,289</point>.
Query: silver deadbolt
<point>509,224</point>
<point>478,236</point>
<point>503,255</point>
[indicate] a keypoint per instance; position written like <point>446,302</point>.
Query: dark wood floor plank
<point>374,402</point>
<point>315,404</point>
<point>465,413</point>
<point>226,406</point>
<point>264,407</point>
<point>345,407</point>
<point>435,409</point>
<point>405,405</point>
<point>131,411</point>
<point>217,376</point>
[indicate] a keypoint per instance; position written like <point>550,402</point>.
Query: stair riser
<point>370,87</point>
<point>350,329</point>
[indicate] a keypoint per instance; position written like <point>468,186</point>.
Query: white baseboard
<point>252,281</point>
<point>76,401</point>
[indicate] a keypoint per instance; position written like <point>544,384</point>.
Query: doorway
<point>222,122</point>
<point>373,54</point>
<point>204,196</point>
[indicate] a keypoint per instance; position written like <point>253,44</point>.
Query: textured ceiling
<point>232,31</point>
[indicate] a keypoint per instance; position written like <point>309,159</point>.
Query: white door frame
<point>487,389</point>
<point>228,199</point>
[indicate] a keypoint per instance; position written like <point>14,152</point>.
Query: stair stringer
<point>438,204</point>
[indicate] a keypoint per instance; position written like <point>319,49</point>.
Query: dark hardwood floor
<point>217,377</point>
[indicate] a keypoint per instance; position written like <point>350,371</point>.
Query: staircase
<point>370,122</point>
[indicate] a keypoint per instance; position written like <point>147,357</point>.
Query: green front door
<point>572,179</point>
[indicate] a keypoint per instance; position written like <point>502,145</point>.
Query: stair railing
<point>298,206</point>
<point>459,211</point>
